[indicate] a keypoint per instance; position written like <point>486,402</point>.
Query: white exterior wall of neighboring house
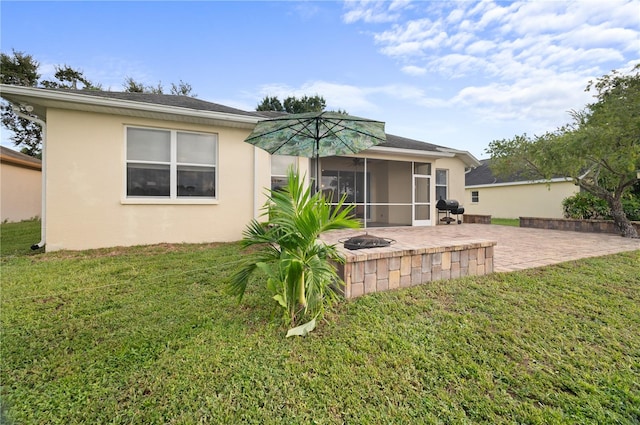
<point>520,199</point>
<point>86,199</point>
<point>20,189</point>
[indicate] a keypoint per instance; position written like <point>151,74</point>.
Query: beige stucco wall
<point>20,193</point>
<point>86,177</point>
<point>86,203</point>
<point>523,200</point>
<point>455,175</point>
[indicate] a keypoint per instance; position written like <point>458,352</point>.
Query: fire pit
<point>365,241</point>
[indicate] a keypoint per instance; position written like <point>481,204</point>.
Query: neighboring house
<point>514,197</point>
<point>20,186</point>
<point>133,168</point>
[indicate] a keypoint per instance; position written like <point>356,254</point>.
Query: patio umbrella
<point>317,134</point>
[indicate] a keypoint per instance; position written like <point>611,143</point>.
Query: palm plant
<point>299,267</point>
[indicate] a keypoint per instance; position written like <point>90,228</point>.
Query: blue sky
<point>456,73</point>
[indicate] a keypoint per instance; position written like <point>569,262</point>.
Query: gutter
<point>519,183</point>
<point>43,125</point>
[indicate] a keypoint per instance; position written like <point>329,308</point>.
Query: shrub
<point>585,206</point>
<point>298,266</point>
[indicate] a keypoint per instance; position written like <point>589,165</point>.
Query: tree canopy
<point>181,89</point>
<point>292,104</point>
<point>69,78</point>
<point>19,68</point>
<point>599,149</point>
<point>22,70</point>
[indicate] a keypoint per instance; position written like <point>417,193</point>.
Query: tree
<point>270,104</point>
<point>132,86</point>
<point>69,78</point>
<point>19,69</point>
<point>22,70</point>
<point>180,89</point>
<point>599,150</point>
<point>293,105</point>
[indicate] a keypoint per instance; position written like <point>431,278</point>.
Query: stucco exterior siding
<point>94,199</point>
<point>456,179</point>
<point>20,192</point>
<point>520,200</point>
<point>86,199</point>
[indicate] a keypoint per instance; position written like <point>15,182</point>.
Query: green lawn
<point>146,335</point>
<point>506,221</point>
<point>17,238</point>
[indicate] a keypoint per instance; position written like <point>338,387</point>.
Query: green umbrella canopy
<point>317,134</point>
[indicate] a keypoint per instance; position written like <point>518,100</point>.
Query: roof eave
<point>404,151</point>
<point>521,183</point>
<point>469,160</point>
<point>41,99</point>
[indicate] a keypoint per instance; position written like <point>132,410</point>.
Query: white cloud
<point>536,99</point>
<point>412,39</point>
<point>547,34</point>
<point>354,99</point>
<point>414,70</point>
<point>370,11</point>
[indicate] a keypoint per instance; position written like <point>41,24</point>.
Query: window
<point>280,165</point>
<point>441,184</point>
<point>475,196</point>
<point>171,164</point>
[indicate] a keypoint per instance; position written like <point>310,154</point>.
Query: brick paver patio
<point>517,248</point>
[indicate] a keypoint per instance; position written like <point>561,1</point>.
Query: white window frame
<point>446,185</point>
<point>173,172</point>
<point>294,162</point>
<point>475,196</point>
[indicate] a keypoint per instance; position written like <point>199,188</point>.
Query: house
<point>21,186</point>
<point>514,196</point>
<point>134,168</point>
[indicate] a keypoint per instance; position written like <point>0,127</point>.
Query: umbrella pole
<point>317,167</point>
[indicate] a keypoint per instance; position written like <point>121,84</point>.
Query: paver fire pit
<point>365,241</point>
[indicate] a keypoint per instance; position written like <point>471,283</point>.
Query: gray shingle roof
<point>197,104</point>
<point>404,143</point>
<point>482,175</point>
<point>167,100</point>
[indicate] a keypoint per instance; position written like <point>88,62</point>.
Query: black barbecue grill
<point>448,207</point>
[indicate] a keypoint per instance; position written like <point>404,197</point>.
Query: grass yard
<point>17,238</point>
<point>506,221</point>
<point>147,335</point>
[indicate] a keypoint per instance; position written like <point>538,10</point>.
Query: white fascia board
<point>20,94</point>
<point>414,152</point>
<point>468,159</point>
<point>466,156</point>
<point>521,183</point>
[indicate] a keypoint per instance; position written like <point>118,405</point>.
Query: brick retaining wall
<point>593,226</point>
<point>371,272</point>
<point>477,218</point>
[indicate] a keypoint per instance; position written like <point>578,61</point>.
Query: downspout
<point>43,218</point>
